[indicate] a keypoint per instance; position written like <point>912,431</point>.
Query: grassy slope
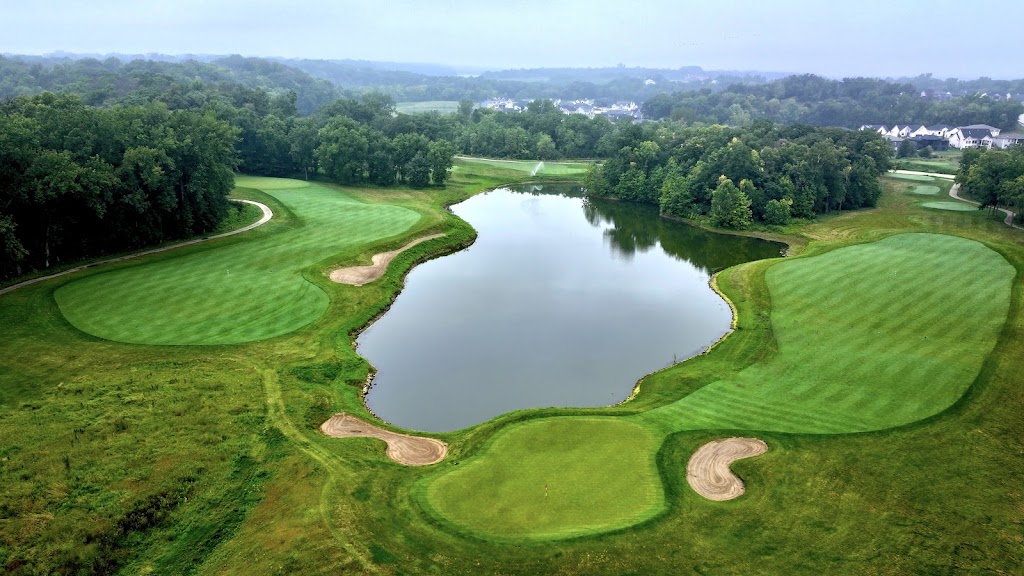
<point>274,497</point>
<point>246,292</point>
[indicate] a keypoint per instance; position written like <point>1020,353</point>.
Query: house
<point>1004,140</point>
<point>940,130</point>
<point>969,136</point>
<point>992,129</point>
<point>903,130</point>
<point>875,128</point>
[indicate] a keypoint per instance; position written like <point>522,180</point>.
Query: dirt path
<point>402,448</point>
<point>954,192</point>
<point>267,215</point>
<point>359,275</point>
<point>708,469</point>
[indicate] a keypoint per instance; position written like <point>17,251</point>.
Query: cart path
<point>954,192</point>
<point>267,215</point>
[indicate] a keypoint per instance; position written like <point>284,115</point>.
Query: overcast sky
<point>958,38</point>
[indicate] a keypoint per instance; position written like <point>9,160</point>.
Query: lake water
<point>560,302</point>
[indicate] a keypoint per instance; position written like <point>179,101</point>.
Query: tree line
<point>77,181</point>
<point>732,177</point>
<point>993,177</point>
<point>851,103</point>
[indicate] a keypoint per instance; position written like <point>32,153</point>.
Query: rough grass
<point>554,478</point>
<point>246,291</point>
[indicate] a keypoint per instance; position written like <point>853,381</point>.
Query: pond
<point>562,301</point>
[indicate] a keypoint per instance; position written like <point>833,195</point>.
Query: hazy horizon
<point>877,39</point>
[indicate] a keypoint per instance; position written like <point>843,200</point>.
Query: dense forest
<point>77,181</point>
<point>850,103</point>
<point>733,176</point>
<point>994,177</point>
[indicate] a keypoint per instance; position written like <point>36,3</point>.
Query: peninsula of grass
<point>247,291</point>
<point>120,458</point>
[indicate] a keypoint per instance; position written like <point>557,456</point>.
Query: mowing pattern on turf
<point>950,205</point>
<point>925,190</point>
<point>554,478</point>
<point>870,337</point>
<point>239,293</point>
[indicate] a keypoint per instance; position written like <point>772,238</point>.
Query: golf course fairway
<point>869,337</point>
<point>243,292</point>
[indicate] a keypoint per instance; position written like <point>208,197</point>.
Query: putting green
<point>951,205</point>
<point>869,337</point>
<point>924,189</point>
<point>238,293</point>
<point>567,477</point>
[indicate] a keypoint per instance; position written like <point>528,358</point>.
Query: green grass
<point>120,458</point>
<point>941,165</point>
<point>443,106</point>
<point>525,168</point>
<point>869,337</point>
<point>243,292</point>
<point>914,177</point>
<point>925,190</point>
<point>951,205</point>
<point>554,478</point>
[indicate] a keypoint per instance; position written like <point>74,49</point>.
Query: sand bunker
<point>402,448</point>
<point>359,275</point>
<point>708,469</point>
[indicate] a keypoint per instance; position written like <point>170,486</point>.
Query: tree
<point>342,153</point>
<point>906,149</point>
<point>730,208</point>
<point>418,171</point>
<point>776,212</point>
<point>439,156</point>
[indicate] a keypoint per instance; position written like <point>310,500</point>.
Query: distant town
<point>588,107</point>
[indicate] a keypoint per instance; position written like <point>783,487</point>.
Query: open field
<point>443,106</point>
<point>209,459</point>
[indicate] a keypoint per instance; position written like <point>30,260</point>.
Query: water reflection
<point>630,228</point>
